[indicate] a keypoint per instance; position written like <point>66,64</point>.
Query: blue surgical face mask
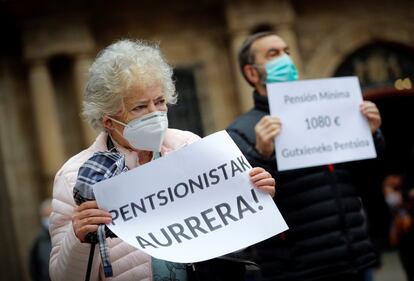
<point>281,69</point>
<point>45,222</point>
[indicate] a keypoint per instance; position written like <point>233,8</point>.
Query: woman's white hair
<point>119,66</point>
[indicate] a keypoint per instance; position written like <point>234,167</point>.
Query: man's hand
<point>371,112</point>
<point>266,130</point>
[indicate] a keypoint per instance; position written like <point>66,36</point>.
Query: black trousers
<point>406,253</point>
<point>217,270</point>
<point>345,277</point>
<point>342,277</point>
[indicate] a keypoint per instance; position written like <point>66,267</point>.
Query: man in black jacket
<point>327,239</point>
<point>406,222</point>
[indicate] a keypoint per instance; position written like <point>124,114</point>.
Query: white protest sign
<point>321,122</point>
<point>191,205</point>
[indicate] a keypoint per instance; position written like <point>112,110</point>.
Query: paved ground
<point>391,268</point>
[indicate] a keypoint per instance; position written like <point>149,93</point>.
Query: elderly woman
<point>126,98</point>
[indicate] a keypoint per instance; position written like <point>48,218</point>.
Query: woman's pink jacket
<point>69,257</point>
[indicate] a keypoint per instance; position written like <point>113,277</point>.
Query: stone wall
<point>204,35</point>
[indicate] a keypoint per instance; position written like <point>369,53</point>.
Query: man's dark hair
<point>245,55</point>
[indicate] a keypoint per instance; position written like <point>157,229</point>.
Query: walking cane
<point>94,238</point>
<point>90,260</point>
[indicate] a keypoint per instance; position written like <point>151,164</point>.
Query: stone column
<point>48,128</point>
<point>80,71</point>
<point>18,183</point>
<point>244,90</point>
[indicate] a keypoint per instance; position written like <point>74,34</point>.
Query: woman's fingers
<point>263,180</point>
<point>91,213</point>
<point>269,189</point>
<point>87,217</point>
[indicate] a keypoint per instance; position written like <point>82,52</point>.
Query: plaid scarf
<point>101,166</point>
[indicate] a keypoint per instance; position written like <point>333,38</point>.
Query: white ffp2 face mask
<point>146,132</point>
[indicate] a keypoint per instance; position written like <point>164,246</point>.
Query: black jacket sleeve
<point>247,147</point>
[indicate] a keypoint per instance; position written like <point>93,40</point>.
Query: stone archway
<point>394,102</point>
<point>352,36</point>
<point>386,71</point>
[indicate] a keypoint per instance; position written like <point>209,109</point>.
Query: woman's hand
<point>263,180</point>
<point>87,218</point>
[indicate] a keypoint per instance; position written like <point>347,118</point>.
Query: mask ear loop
<point>117,121</point>
<point>114,129</point>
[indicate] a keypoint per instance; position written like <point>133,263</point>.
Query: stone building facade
<point>48,46</point>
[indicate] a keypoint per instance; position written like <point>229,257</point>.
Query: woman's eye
<point>139,107</point>
<point>160,102</point>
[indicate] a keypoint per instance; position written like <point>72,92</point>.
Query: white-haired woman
<point>126,98</point>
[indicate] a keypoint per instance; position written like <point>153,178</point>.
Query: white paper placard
<point>321,122</point>
<point>191,205</point>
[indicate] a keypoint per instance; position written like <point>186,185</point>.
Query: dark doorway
<point>185,115</point>
<point>386,72</point>
<point>397,117</point>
